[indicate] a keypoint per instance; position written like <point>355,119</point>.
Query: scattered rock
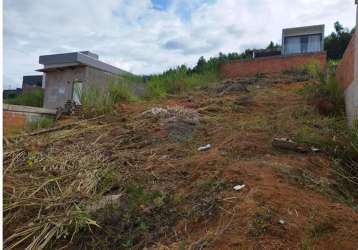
<point>281,221</point>
<point>232,86</point>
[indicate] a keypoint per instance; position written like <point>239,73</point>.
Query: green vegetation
<point>140,213</point>
<point>43,122</point>
<point>97,102</point>
<point>183,78</point>
<point>32,98</point>
<point>179,80</point>
<point>336,43</point>
<point>261,222</point>
<point>315,231</point>
<point>273,45</point>
<point>94,101</point>
<point>120,89</point>
<point>325,90</point>
<point>342,143</point>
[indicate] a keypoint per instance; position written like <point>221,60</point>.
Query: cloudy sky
<point>149,36</point>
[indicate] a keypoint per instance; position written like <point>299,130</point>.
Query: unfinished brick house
<point>63,73</point>
<point>347,75</point>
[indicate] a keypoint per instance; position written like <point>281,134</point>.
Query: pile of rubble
<point>178,123</point>
<point>234,85</point>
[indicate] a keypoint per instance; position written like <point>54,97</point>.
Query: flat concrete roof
<point>32,80</point>
<point>304,30</point>
<point>75,59</point>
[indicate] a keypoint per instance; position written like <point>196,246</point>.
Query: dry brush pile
<point>85,186</point>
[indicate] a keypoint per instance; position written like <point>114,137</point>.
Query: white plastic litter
<point>315,150</point>
<point>239,187</point>
<point>205,147</point>
<point>281,221</point>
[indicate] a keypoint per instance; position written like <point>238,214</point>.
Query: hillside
<point>135,178</point>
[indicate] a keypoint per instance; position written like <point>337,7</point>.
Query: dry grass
<point>161,188</point>
<point>46,192</point>
<point>53,180</point>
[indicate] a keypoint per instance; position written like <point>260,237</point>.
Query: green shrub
<point>314,69</point>
<point>94,101</point>
<point>120,91</point>
<point>324,87</point>
<point>32,98</point>
<point>97,101</point>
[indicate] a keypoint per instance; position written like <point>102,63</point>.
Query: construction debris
<point>288,144</point>
<point>178,123</point>
<point>177,112</point>
<point>108,200</point>
<point>281,221</point>
<point>205,147</point>
<point>239,187</point>
<point>315,150</point>
<point>156,112</point>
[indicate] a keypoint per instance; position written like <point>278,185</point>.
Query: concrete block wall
<point>347,76</point>
<point>59,86</point>
<point>266,65</point>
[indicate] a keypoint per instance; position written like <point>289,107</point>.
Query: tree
<point>272,45</point>
<point>336,43</point>
<point>200,65</point>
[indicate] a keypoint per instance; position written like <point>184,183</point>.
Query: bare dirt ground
<point>290,200</point>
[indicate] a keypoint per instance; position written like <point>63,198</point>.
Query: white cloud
<point>134,36</point>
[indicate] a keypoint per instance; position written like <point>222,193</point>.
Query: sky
<point>149,36</point>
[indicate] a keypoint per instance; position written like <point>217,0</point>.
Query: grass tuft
<point>43,122</point>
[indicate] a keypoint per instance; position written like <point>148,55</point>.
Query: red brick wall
<point>345,69</point>
<point>13,121</point>
<point>273,64</point>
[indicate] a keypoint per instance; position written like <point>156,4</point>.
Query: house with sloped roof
<point>65,73</point>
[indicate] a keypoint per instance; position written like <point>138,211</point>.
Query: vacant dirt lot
<point>166,194</point>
